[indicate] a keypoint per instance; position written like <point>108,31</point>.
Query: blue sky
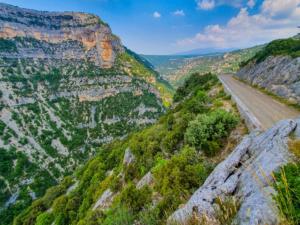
<point>171,26</point>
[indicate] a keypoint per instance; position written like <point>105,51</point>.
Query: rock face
<point>278,74</point>
<point>94,39</point>
<point>246,175</point>
<point>67,85</point>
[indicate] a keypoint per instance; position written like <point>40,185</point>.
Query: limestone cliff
<point>67,85</point>
<point>95,39</point>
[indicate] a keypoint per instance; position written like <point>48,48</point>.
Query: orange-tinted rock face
<point>107,51</point>
<point>96,38</point>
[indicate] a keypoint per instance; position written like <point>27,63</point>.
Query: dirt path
<point>266,110</point>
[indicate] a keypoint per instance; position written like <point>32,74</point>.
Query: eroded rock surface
<point>246,175</point>
<point>72,35</point>
<point>128,157</point>
<point>146,180</point>
<point>105,200</point>
<point>279,75</point>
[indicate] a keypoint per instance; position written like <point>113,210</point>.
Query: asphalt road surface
<point>267,110</point>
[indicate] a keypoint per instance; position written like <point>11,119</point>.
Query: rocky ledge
<point>246,175</point>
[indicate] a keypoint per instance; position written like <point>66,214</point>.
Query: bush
<point>121,215</point>
<point>7,45</point>
<point>288,193</point>
<point>135,199</point>
<point>44,219</point>
<point>193,84</point>
<point>207,130</point>
<point>289,47</point>
<point>177,178</point>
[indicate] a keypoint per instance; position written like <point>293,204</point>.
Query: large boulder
<point>246,174</point>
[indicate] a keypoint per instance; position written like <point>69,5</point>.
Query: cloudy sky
<point>171,26</point>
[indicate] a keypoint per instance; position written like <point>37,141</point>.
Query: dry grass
<point>225,212</point>
<point>284,200</point>
<point>294,146</point>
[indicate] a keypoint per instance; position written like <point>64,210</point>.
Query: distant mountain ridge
<point>205,51</point>
<point>177,68</point>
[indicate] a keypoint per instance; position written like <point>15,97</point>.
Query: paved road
<point>266,110</point>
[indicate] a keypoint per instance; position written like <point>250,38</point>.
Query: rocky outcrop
<point>105,200</point>
<point>146,180</point>
<point>277,74</point>
<point>245,175</point>
<point>90,37</point>
<point>128,157</point>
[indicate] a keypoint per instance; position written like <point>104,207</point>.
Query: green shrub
<point>7,45</point>
<point>288,46</point>
<point>135,199</point>
<point>195,82</point>
<point>207,130</point>
<point>288,193</point>
<point>2,128</point>
<point>121,215</point>
<point>44,219</point>
<point>177,178</point>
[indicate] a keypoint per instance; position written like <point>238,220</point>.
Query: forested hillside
<point>145,177</point>
<point>67,86</point>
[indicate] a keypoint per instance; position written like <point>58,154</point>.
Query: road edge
<point>251,121</point>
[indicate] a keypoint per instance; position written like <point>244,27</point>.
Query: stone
<point>146,180</point>
<point>128,157</point>
<point>105,200</point>
<point>245,174</point>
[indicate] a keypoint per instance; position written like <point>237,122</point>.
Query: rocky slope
<point>145,177</point>
<point>67,86</point>
<point>157,176</point>
<point>278,71</point>
<point>245,175</point>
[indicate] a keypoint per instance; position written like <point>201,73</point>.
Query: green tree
<point>207,130</point>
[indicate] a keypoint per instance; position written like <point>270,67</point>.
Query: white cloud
<point>206,4</point>
<point>179,13</point>
<point>211,4</point>
<point>156,15</point>
<point>276,19</point>
<point>279,8</point>
<point>251,3</point>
